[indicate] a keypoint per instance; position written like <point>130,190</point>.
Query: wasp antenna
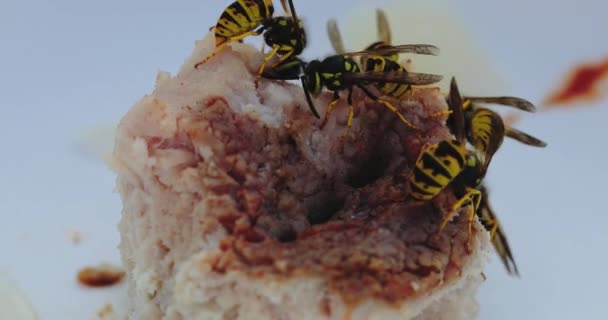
<point>293,12</point>
<point>311,105</point>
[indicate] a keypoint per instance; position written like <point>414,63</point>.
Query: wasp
<point>381,56</point>
<point>342,73</point>
<point>450,163</point>
<point>485,129</point>
<point>243,18</point>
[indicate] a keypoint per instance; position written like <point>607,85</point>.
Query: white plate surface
<point>70,69</point>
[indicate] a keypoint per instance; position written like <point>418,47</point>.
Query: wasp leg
<point>351,111</point>
<point>494,229</point>
<point>225,43</point>
<point>274,51</point>
<point>471,197</point>
<point>388,105</point>
<point>330,107</point>
<point>284,57</point>
<point>445,221</point>
<point>391,107</point>
<point>475,196</point>
<point>441,113</point>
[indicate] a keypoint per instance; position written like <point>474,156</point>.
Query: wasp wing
<point>335,37</point>
<point>400,77</point>
<point>488,219</point>
<point>286,7</point>
<point>456,120</point>
<point>518,103</point>
<point>384,29</point>
<point>387,50</point>
<point>289,9</point>
<point>524,138</point>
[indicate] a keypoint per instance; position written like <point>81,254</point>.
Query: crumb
<point>74,236</point>
<point>103,275</point>
<point>107,313</point>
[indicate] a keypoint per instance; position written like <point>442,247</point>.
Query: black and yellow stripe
<point>436,167</point>
<point>486,132</point>
<point>240,17</point>
<point>387,64</point>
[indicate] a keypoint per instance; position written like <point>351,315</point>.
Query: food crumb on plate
<point>104,275</point>
<point>107,313</point>
<point>75,237</point>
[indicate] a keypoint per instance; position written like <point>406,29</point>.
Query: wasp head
<point>283,32</point>
<point>473,170</point>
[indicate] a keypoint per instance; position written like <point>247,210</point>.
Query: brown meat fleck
<point>101,276</point>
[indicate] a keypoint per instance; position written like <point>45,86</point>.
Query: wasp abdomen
<point>240,17</point>
<point>436,168</point>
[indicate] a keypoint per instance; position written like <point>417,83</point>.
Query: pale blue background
<point>69,65</point>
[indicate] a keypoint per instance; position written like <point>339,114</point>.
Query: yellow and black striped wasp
<point>285,35</point>
<point>341,72</point>
<point>450,163</point>
<point>485,129</point>
<point>381,56</point>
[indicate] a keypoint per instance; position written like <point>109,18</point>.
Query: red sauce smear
<point>101,276</point>
<point>582,85</point>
